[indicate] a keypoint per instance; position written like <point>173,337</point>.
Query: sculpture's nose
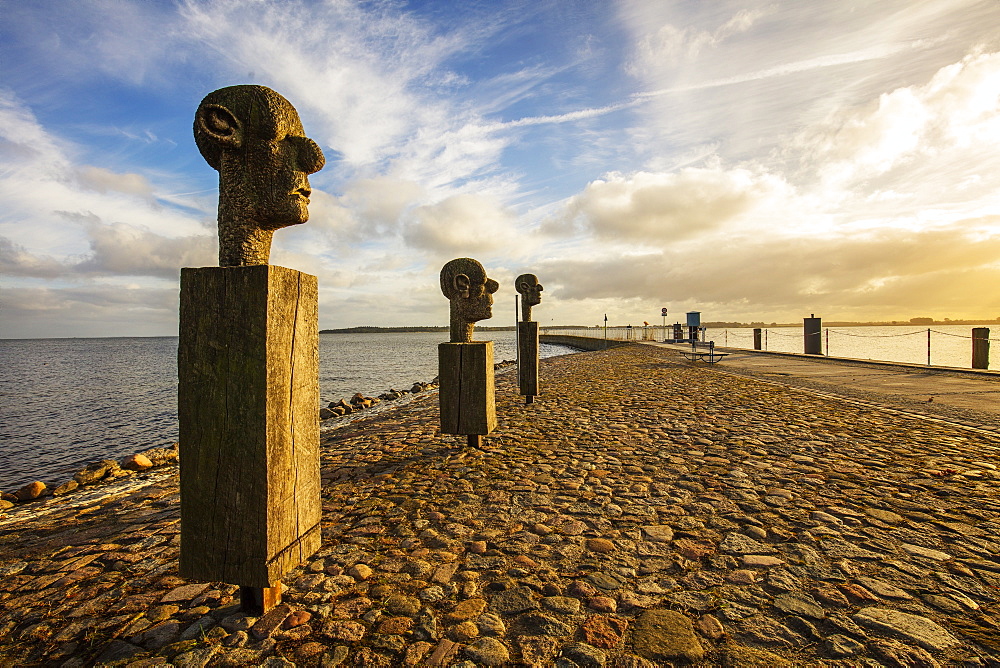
<point>491,286</point>
<point>310,155</point>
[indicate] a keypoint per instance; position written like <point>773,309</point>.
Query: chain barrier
<point>923,332</point>
<point>875,336</point>
<point>960,336</point>
<point>794,336</point>
<point>638,333</point>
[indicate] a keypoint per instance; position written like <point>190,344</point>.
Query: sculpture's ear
<point>522,286</point>
<point>462,285</point>
<point>220,124</point>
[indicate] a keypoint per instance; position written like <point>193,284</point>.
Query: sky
<point>755,161</point>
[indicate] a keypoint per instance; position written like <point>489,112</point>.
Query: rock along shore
<point>642,512</point>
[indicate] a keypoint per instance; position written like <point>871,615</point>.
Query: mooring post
<point>981,348</point>
<point>757,338</point>
<point>811,332</point>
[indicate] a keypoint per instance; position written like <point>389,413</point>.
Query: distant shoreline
<point>366,329</point>
<point>710,325</point>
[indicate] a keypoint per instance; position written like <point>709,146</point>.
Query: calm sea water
<point>67,402</point>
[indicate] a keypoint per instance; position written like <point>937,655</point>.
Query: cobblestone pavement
<point>642,512</point>
<point>956,395</point>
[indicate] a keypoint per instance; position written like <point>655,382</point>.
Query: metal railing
<point>617,333</point>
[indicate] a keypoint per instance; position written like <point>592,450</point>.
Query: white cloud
<point>668,45</point>
<point>42,189</point>
<point>92,310</point>
<point>115,249</point>
<point>381,201</point>
<point>327,212</point>
<point>23,142</point>
<point>653,208</point>
<point>757,150</point>
<point>15,260</point>
<point>125,250</point>
<point>889,274</point>
<point>958,110</point>
<point>462,224</point>
<point>374,78</point>
<point>103,180</point>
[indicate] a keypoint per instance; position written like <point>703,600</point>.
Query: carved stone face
<point>530,289</point>
<point>254,137</point>
<point>283,162</point>
<point>464,282</point>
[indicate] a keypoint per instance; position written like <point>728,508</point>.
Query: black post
<point>811,332</point>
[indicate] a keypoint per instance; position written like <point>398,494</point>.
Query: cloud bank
<point>749,160</point>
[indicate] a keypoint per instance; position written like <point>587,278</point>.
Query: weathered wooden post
<point>980,347</point>
<point>527,336</point>
<point>756,338</point>
<point>248,357</point>
<point>812,328</point>
<point>465,367</point>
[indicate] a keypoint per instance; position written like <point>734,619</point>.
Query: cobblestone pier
<point>642,512</point>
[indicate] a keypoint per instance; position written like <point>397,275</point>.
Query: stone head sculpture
<point>254,138</point>
<point>531,294</point>
<point>470,291</point>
